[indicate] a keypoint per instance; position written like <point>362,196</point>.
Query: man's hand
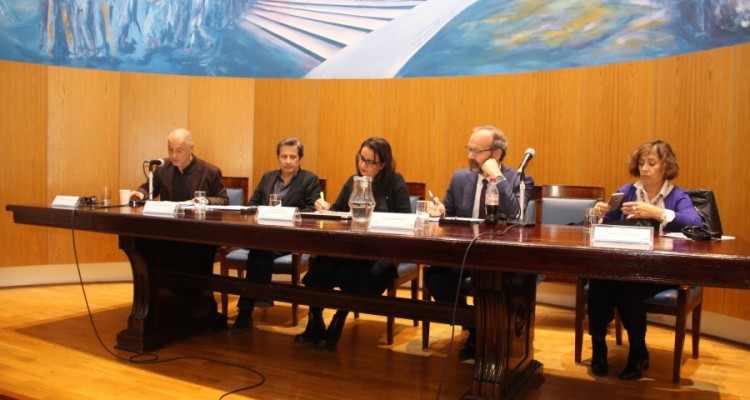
<point>491,168</point>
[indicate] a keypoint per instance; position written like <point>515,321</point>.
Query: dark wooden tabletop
<point>541,249</point>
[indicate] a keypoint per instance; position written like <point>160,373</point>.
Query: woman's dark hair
<point>663,150</point>
<point>382,150</point>
<point>291,142</point>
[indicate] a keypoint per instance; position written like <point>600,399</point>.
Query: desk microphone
<point>530,153</point>
<point>158,161</point>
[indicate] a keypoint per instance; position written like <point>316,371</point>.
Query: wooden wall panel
<point>350,112</point>
<point>23,133</point>
<point>82,152</point>
<point>548,118</point>
<point>734,217</point>
<point>414,122</point>
<point>220,116</point>
<point>151,106</point>
<point>471,102</point>
<point>284,108</point>
<point>693,99</point>
<point>617,116</point>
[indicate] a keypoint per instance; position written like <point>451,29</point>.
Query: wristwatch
<point>663,217</point>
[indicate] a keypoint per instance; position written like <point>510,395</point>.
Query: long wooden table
<point>172,299</point>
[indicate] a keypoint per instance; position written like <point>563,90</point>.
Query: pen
<point>433,197</point>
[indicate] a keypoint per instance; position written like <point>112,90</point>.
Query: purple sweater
<point>677,200</point>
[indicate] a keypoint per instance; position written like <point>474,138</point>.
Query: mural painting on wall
<point>361,38</point>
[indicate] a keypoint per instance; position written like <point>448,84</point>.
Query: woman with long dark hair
<point>375,160</point>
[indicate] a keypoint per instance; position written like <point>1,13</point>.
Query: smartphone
<point>615,200</point>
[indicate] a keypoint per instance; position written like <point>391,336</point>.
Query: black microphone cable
<point>458,296</point>
<point>150,358</point>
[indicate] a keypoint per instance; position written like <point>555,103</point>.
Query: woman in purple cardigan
<point>654,197</point>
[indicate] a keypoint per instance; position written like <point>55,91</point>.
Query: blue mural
<point>361,38</point>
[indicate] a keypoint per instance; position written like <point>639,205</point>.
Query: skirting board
<point>717,325</point>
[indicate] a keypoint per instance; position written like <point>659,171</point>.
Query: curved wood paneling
<point>284,108</point>
<point>350,112</point>
<point>83,140</point>
<point>23,132</point>
<point>583,123</point>
<point>151,107</point>
<point>221,116</point>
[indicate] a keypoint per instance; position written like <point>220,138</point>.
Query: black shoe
<point>315,330</point>
<point>243,323</point>
<point>333,333</point>
<point>467,352</point>
<point>599,366</point>
<point>634,370</point>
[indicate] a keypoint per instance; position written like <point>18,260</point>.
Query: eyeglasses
<point>476,152</point>
<point>367,162</point>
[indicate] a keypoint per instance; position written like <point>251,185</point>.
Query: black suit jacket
<point>303,191</point>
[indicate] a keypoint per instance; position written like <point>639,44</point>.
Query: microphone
<point>530,153</point>
<point>158,161</point>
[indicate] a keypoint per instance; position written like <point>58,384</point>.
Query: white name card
<point>623,235</point>
<point>65,201</point>
<point>160,207</point>
<point>385,220</point>
<point>277,213</point>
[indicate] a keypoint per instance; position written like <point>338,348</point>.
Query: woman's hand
<point>639,209</point>
<point>322,205</point>
<point>602,207</point>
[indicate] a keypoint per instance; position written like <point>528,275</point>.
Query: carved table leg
<point>504,362</point>
<point>162,311</point>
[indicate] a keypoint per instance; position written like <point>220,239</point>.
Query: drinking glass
<point>200,201</point>
<point>275,200</point>
<point>590,218</point>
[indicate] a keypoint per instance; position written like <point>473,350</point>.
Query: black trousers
<point>258,269</point>
<point>627,297</point>
<point>350,275</point>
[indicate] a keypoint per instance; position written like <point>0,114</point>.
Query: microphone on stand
<point>530,153</point>
<point>158,161</point>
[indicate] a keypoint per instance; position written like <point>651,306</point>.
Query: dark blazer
<point>303,191</point>
<point>205,176</point>
<point>459,200</point>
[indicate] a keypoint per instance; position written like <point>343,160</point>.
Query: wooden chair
<point>407,272</point>
<point>678,302</point>
<point>237,189</point>
<point>294,265</point>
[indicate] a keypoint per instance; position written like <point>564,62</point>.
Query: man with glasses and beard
<point>485,151</point>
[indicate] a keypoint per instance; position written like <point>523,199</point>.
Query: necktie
<point>482,208</point>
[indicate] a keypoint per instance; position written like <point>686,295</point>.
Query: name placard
<point>383,220</point>
<point>160,207</point>
<point>623,235</point>
<point>276,213</point>
<point>65,201</point>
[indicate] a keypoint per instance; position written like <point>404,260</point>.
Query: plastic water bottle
<point>491,202</point>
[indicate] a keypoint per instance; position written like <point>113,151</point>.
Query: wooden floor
<point>48,350</point>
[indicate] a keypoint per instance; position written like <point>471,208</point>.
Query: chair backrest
<point>705,203</point>
<point>534,206</point>
<point>323,185</point>
<point>565,204</point>
<point>417,191</point>
<point>237,189</point>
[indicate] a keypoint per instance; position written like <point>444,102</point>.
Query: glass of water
<point>200,201</point>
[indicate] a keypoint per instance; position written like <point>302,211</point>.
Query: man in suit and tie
<point>486,150</point>
<point>297,188</point>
